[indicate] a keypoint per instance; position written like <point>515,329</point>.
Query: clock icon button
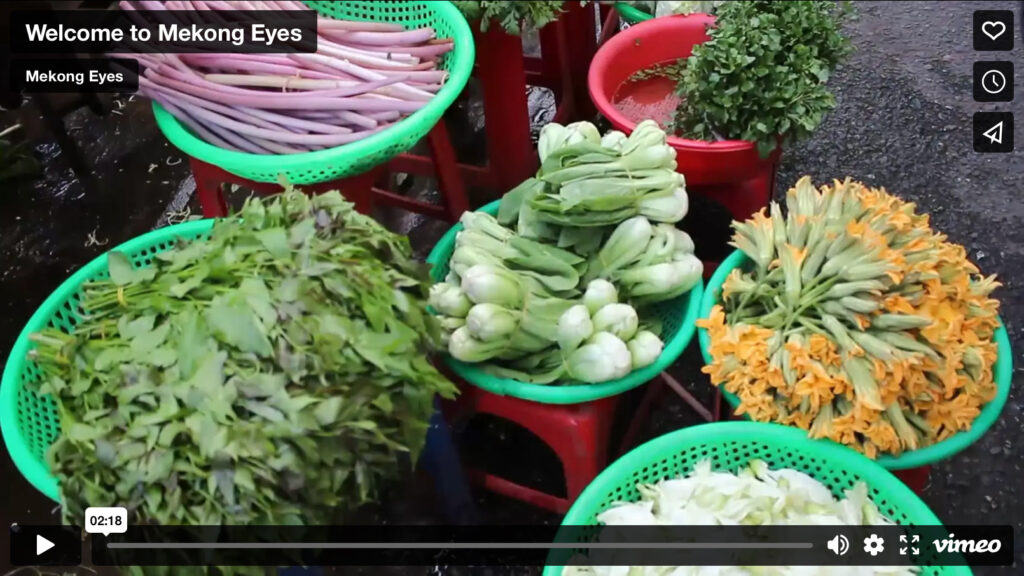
<point>993,81</point>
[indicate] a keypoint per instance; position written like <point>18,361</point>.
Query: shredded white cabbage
<point>756,495</point>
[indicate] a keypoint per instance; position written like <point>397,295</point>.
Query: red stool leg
<point>609,23</point>
<point>502,74</point>
<point>915,478</point>
<point>208,188</point>
<point>579,25</point>
<point>446,167</point>
<point>583,445</point>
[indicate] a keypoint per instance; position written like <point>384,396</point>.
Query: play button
<point>46,545</point>
<point>42,544</point>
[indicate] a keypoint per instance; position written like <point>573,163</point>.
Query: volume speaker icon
<point>839,545</point>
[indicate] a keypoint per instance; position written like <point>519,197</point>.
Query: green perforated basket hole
<point>678,318</point>
<point>30,421</point>
<point>730,445</point>
<point>356,157</point>
<point>1002,373</point>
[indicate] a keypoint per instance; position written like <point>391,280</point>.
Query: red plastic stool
<point>567,46</point>
<point>578,434</point>
<point>359,189</point>
<point>915,478</point>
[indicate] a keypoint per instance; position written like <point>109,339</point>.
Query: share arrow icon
<point>995,133</point>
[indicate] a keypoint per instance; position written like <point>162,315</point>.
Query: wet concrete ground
<point>903,121</point>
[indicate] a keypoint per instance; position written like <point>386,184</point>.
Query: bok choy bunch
<point>649,263</point>
<point>588,183</point>
<point>515,333</point>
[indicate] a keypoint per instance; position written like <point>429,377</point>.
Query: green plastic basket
<point>1002,373</point>
<point>730,445</point>
<point>360,156</point>
<point>678,317</point>
<point>30,421</point>
<point>631,14</point>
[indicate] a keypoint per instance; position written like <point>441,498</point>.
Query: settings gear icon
<point>874,545</point>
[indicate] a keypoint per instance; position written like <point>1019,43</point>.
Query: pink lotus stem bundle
<point>363,77</point>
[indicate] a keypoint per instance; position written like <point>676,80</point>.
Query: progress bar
<point>458,545</point>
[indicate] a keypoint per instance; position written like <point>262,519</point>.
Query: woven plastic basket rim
<point>631,14</point>
<point>461,68</point>
<point>1002,373</point>
<point>34,470</point>
<point>572,393</point>
<point>653,451</point>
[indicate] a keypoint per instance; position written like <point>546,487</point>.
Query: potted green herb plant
<point>753,77</point>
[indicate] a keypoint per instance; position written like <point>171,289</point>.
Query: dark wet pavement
<point>903,121</point>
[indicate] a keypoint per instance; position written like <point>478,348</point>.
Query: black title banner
<point>163,31</point>
<point>558,546</point>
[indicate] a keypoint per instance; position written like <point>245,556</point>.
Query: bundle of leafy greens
<point>271,373</point>
<point>512,16</point>
<point>762,74</point>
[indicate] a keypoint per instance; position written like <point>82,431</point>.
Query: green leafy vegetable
<point>512,16</point>
<point>271,373</point>
<point>762,74</point>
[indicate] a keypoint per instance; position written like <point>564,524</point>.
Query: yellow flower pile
<point>854,321</point>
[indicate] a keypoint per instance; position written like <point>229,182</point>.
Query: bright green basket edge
<point>36,471</point>
<point>631,14</point>
<point>573,393</point>
<point>1003,375</point>
<point>230,160</point>
<point>876,476</point>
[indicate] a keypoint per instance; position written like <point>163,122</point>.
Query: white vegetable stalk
<point>484,283</point>
<point>666,279</point>
<point>451,323</point>
<point>449,300</point>
<point>465,257</point>
<point>574,326</point>
<point>644,349</point>
<point>618,319</point>
<point>683,245</point>
<point>627,242</point>
<point>582,132</point>
<point>614,140</point>
<point>647,134</point>
<point>605,357</point>
<point>599,294</point>
<point>463,346</point>
<point>490,322</point>
<point>671,208</point>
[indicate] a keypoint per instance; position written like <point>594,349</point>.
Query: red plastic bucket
<point>662,40</point>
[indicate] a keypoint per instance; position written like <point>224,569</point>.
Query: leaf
<point>301,232</point>
<point>264,411</point>
<point>275,240</point>
<point>193,340</point>
<point>326,412</point>
<point>79,432</point>
<point>384,403</point>
<point>130,329</point>
<point>121,271</point>
<point>194,281</point>
<point>105,452</point>
<point>142,344</point>
<point>234,323</point>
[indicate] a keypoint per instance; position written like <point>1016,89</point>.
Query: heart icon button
<point>993,29</point>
